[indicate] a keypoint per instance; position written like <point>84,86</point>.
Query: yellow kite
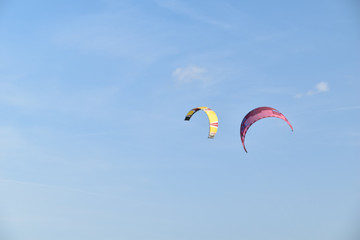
<point>213,120</point>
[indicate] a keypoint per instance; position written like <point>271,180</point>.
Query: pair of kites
<point>250,118</point>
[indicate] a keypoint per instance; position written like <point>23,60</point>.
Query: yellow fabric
<point>213,120</point>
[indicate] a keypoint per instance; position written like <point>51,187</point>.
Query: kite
<point>213,120</point>
<point>257,114</point>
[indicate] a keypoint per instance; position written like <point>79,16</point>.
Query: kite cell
<point>213,120</point>
<point>257,114</point>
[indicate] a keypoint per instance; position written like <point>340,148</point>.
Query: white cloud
<point>190,74</point>
<point>322,87</point>
<point>298,95</point>
<point>310,92</point>
<point>319,88</point>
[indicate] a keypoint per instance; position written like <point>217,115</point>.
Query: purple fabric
<point>257,114</point>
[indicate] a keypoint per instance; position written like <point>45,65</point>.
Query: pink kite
<point>257,114</point>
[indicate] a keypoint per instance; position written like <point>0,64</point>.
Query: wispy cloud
<point>11,141</point>
<point>190,74</point>
<point>46,186</point>
<point>13,95</point>
<point>320,87</point>
<point>356,134</point>
<point>182,8</point>
<point>340,109</point>
<point>343,109</point>
<point>74,101</point>
<point>109,34</point>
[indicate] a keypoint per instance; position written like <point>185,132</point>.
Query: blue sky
<point>93,96</point>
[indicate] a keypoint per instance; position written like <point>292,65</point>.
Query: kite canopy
<point>257,114</point>
<point>213,120</point>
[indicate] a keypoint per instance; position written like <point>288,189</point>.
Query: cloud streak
<point>181,8</point>
<point>109,34</point>
<point>350,108</point>
<point>343,109</point>
<point>320,87</point>
<point>190,74</point>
